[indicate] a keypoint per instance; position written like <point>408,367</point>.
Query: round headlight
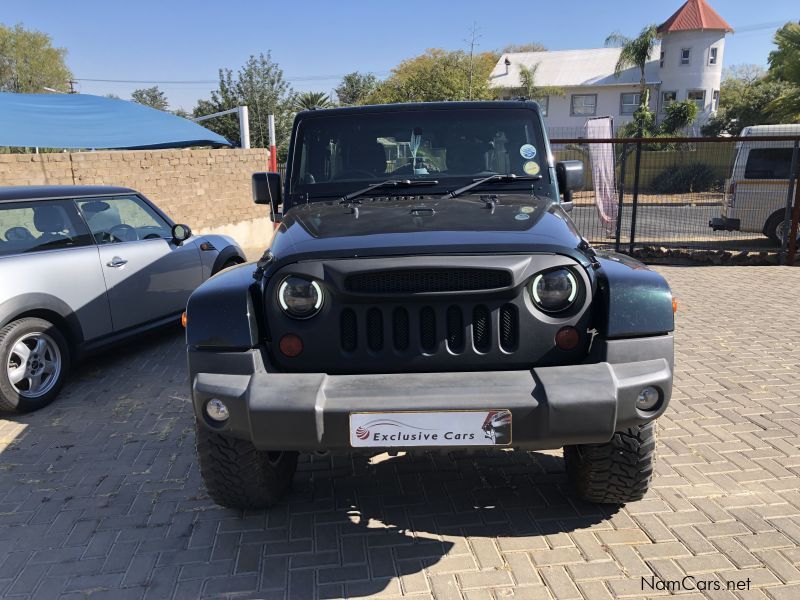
<point>554,291</point>
<point>300,298</point>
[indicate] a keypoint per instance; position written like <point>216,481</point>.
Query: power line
<point>210,81</point>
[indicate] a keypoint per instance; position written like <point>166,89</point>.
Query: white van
<point>755,195</point>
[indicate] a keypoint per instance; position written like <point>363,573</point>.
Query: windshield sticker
<point>531,167</point>
<point>522,217</point>
<point>527,209</point>
<point>528,152</point>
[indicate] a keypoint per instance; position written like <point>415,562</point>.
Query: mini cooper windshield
<point>334,156</point>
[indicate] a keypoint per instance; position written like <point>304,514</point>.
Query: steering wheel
<point>355,174</point>
<point>123,233</point>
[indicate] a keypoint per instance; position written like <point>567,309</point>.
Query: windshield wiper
<point>390,183</point>
<point>496,178</point>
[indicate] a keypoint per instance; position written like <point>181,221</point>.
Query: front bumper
<point>724,224</point>
<point>551,407</point>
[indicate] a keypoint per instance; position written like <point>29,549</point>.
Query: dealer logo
<point>362,433</point>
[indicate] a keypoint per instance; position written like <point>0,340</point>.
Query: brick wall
<point>207,189</point>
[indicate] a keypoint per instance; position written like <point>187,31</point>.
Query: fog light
<point>648,398</point>
<point>217,410</point>
<point>291,345</point>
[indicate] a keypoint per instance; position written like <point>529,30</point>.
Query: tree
<point>437,75</point>
<point>528,87</point>
<point>152,97</point>
<point>29,63</point>
<point>259,85</point>
<point>635,53</point>
<point>311,100</point>
<point>746,94</point>
<point>531,47</point>
<point>355,88</point>
<point>784,66</point>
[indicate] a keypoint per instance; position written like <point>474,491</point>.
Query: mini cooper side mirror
<point>569,174</point>
<point>180,233</point>
<point>267,190</point>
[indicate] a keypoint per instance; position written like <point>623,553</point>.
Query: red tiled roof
<point>695,14</point>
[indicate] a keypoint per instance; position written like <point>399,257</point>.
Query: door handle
<point>117,262</point>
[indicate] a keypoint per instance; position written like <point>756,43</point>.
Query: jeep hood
<point>429,225</point>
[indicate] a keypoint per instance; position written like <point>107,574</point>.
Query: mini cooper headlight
<point>299,298</point>
<point>554,291</point>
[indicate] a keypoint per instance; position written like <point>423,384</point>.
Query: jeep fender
<point>220,313</point>
<point>631,300</point>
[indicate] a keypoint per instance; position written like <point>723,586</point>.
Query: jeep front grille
<point>429,329</point>
<point>408,281</point>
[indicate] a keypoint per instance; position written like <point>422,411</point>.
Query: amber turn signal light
<point>291,345</point>
<point>183,319</point>
<point>567,338</point>
<point>674,305</point>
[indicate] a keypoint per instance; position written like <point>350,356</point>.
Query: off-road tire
<point>616,472</point>
<point>237,475</point>
<point>10,399</point>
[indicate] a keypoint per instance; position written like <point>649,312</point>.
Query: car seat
<point>51,222</point>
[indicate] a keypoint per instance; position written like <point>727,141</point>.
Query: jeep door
<point>48,260</point>
<point>148,276</point>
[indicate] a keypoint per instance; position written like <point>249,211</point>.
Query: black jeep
<point>427,289</point>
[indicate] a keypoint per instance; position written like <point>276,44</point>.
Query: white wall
<point>561,124</point>
<point>698,74</point>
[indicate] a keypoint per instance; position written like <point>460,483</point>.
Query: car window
<point>768,163</point>
<point>122,219</point>
<point>333,152</point>
<point>41,225</point>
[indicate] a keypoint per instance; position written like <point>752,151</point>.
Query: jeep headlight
<point>554,291</point>
<point>300,298</point>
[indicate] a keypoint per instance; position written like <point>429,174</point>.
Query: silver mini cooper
<point>82,267</point>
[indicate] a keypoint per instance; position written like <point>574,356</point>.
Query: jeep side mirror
<point>569,174</point>
<point>267,190</point>
<point>180,233</point>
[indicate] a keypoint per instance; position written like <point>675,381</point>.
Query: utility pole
<point>472,41</point>
<point>72,89</point>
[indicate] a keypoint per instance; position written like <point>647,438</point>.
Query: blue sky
<point>316,42</point>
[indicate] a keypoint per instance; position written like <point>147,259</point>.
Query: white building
<point>686,65</point>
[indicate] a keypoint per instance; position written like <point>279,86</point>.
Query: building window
<point>629,103</point>
<point>544,104</point>
<point>685,55</point>
<point>668,98</point>
<point>712,56</point>
<point>699,98</point>
<point>715,101</point>
<point>583,105</point>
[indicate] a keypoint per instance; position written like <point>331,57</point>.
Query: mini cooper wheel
<point>35,360</point>
<point>237,475</point>
<point>616,472</point>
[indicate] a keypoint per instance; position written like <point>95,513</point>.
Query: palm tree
<point>635,53</point>
<point>527,79</point>
<point>311,100</point>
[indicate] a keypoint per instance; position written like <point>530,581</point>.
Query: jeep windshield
<point>335,154</point>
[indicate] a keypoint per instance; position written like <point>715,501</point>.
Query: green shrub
<point>689,178</point>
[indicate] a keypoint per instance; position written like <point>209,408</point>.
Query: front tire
<point>616,472</point>
<point>34,362</point>
<point>237,475</point>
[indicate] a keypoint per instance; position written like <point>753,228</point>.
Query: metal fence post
<point>785,242</point>
<point>795,219</point>
<point>621,195</point>
<point>637,168</point>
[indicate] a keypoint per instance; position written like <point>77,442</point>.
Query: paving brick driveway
<point>100,494</point>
